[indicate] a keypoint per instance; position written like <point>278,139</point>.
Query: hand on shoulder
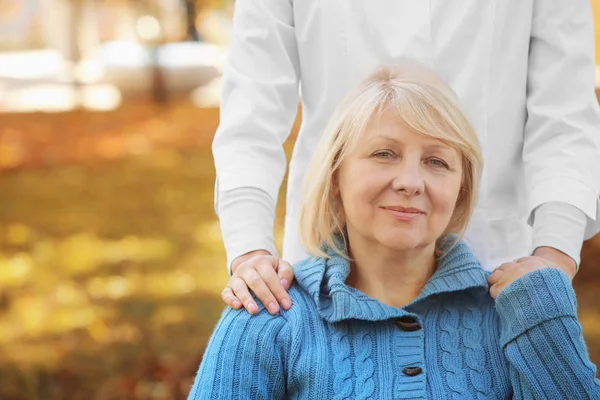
<point>544,257</point>
<point>266,275</point>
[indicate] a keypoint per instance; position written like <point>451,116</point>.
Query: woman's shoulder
<point>302,304</point>
<point>237,327</point>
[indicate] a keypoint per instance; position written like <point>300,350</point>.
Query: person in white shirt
<point>523,69</point>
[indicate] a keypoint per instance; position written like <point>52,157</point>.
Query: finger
<point>494,291</point>
<point>240,290</point>
<point>230,299</point>
<point>523,259</point>
<point>505,266</point>
<point>285,273</point>
<point>261,290</point>
<point>271,278</point>
<point>495,276</point>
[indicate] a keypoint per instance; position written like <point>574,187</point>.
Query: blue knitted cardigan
<point>452,342</point>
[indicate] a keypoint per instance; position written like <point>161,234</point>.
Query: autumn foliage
<point>111,261</point>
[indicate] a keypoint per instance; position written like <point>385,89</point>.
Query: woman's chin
<point>404,242</point>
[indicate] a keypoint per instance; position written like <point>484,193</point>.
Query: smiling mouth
<point>404,214</point>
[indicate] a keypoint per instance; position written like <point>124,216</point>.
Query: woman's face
<point>398,188</point>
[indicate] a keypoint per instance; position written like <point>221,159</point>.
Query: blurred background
<point>111,260</point>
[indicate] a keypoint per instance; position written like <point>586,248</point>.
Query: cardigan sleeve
<point>244,358</point>
<point>542,339</point>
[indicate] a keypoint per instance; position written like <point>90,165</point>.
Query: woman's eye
<point>384,154</point>
<point>436,162</point>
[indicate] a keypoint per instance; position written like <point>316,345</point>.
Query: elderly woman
<point>394,305</point>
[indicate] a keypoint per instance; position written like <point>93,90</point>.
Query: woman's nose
<point>408,178</point>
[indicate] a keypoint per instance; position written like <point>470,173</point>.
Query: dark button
<point>408,323</point>
<point>412,371</point>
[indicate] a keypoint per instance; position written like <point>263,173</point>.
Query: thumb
<point>285,273</point>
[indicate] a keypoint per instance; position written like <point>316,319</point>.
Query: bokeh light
<point>111,256</point>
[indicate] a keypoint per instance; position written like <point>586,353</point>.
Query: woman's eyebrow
<point>433,146</point>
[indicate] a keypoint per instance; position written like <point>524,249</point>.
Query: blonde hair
<point>427,105</point>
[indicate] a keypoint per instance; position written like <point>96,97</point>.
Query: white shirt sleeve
<point>247,216</point>
<point>561,143</point>
<point>259,98</point>
<point>258,106</point>
<point>561,226</point>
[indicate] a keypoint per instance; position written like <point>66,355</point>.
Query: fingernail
<point>286,304</point>
<point>252,307</point>
<point>273,308</point>
<point>285,283</point>
<point>236,303</point>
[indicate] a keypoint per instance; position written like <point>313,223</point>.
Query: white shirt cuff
<point>561,226</point>
<point>247,216</point>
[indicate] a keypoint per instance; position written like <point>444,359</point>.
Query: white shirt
<point>523,69</point>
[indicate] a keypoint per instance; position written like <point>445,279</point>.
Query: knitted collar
<point>324,280</point>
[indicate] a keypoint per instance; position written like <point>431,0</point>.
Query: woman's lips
<point>405,214</point>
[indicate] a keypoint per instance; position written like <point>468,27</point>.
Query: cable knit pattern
<point>451,351</point>
<point>365,384</point>
<point>452,342</point>
<point>474,354</point>
<point>342,363</point>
